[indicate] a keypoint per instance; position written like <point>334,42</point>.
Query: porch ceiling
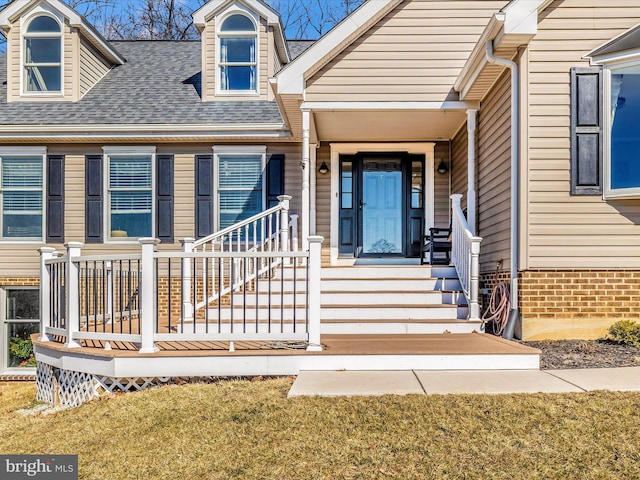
<point>387,125</point>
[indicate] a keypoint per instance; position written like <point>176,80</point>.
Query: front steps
<point>359,300</point>
<point>393,299</point>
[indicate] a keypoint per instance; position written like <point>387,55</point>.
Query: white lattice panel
<point>75,388</point>
<point>109,384</point>
<point>45,384</point>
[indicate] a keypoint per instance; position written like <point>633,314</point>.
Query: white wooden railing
<point>465,253</point>
<point>273,230</point>
<point>136,298</point>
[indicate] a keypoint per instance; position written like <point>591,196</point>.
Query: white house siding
<point>92,67</point>
<point>566,231</point>
<point>494,175</point>
<point>414,53</point>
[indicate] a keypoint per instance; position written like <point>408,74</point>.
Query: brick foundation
<point>564,304</point>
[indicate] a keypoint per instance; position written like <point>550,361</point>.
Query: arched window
<point>43,55</point>
<point>237,59</point>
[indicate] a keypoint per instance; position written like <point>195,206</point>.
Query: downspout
<point>515,115</point>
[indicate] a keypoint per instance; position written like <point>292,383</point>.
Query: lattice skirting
<point>56,386</point>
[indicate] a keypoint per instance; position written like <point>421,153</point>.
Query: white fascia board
<point>201,15</point>
<point>19,7</point>
<point>522,17</point>
<point>291,78</point>
<point>211,8</point>
<point>79,132</point>
<point>615,58</point>
<point>385,106</point>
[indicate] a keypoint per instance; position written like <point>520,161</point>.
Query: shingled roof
<point>159,84</point>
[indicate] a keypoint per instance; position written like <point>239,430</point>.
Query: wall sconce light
<point>324,168</point>
<point>443,167</point>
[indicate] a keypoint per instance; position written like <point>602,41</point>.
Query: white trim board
<point>423,148</point>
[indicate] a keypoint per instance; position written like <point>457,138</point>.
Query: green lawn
<point>249,430</point>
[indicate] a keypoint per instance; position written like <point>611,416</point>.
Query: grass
<point>249,430</point>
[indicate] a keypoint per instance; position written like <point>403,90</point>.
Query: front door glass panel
<point>382,206</point>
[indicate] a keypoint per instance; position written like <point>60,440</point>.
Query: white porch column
<point>306,177</point>
<point>471,169</point>
<point>313,170</point>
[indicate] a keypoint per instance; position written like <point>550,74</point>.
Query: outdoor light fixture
<point>443,167</point>
<point>324,168</point>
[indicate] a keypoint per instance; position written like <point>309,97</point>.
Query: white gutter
<point>514,175</point>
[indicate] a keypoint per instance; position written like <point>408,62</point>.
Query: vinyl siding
<point>441,187</point>
<point>459,152</point>
<point>323,202</point>
<point>414,53</point>
<point>21,260</point>
<point>92,67</point>
<point>566,231</point>
<point>209,64</point>
<point>14,67</point>
<point>494,175</point>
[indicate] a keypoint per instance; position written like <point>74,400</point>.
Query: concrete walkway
<point>441,382</point>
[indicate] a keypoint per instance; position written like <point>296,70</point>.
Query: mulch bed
<point>559,354</point>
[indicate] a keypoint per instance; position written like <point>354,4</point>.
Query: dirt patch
<point>557,354</point>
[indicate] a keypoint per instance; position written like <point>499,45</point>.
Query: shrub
<point>22,349</point>
<point>625,332</point>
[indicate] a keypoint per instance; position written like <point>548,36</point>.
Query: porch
<point>241,302</point>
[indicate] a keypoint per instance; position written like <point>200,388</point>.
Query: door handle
<point>362,204</point>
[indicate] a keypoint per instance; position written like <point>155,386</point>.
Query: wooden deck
<point>435,344</point>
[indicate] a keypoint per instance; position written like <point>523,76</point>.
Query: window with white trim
<point>240,183</point>
<point>42,61</point>
<point>622,131</point>
<point>130,194</point>
<point>19,320</point>
<point>237,57</point>
<point>21,196</point>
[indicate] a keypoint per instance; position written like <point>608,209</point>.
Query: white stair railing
<point>270,231</point>
<point>465,253</point>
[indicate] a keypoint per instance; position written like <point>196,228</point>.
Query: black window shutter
<point>93,174</point>
<point>275,179</point>
<point>55,199</point>
<point>164,198</point>
<point>204,195</point>
<point>586,130</point>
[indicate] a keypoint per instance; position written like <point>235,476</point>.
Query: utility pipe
<point>515,115</point>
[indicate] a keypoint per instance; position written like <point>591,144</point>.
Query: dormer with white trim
<point>243,47</point>
<point>53,53</point>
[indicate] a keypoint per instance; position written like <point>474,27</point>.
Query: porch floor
<point>424,344</point>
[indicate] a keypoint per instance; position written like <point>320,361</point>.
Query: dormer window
<point>237,64</point>
<point>43,56</point>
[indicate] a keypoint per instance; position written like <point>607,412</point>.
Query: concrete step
<point>388,272</point>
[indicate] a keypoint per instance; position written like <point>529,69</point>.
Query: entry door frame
<point>337,149</point>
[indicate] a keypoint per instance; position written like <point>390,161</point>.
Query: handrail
<point>226,231</point>
<point>465,253</point>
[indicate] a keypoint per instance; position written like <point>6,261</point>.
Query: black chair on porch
<point>437,245</point>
